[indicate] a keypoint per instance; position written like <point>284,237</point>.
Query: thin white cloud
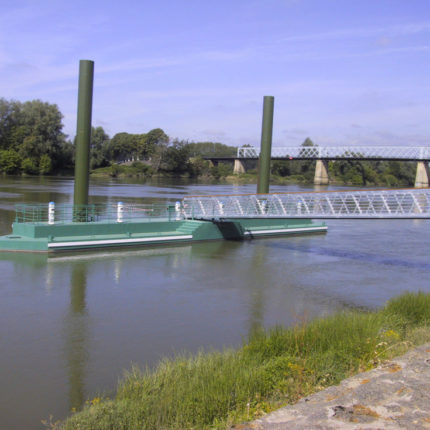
<point>364,32</point>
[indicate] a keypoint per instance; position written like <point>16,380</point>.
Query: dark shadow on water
<point>351,255</point>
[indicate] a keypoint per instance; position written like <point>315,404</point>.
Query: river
<point>71,324</point>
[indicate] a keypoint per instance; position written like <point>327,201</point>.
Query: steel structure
<point>373,204</point>
<point>412,153</point>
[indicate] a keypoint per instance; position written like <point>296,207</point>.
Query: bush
<point>221,171</point>
<point>139,168</point>
<point>115,169</point>
<point>29,166</point>
<point>45,164</point>
<point>10,162</point>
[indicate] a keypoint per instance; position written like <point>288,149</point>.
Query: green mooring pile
<point>274,368</point>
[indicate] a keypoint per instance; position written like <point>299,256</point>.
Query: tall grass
<point>275,367</point>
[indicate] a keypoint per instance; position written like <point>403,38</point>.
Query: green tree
<point>99,147</point>
<point>122,147</point>
<point>154,138</point>
<point>10,161</point>
<point>45,164</point>
<point>175,158</point>
<point>8,117</point>
<point>29,166</point>
<point>211,149</point>
<point>32,129</point>
<point>43,123</point>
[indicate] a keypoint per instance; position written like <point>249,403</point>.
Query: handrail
<point>118,212</point>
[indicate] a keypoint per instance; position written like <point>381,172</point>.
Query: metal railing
<point>342,152</point>
<point>64,213</point>
<point>411,203</point>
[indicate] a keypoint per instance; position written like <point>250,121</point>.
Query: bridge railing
<point>342,152</point>
<point>411,203</point>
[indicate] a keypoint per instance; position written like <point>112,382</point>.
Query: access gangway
<point>362,204</point>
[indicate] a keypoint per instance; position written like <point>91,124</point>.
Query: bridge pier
<point>321,173</point>
<point>239,166</point>
<point>422,176</point>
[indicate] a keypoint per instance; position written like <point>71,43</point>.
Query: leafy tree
<point>122,147</point>
<point>29,166</point>
<point>175,158</point>
<point>99,148</point>
<point>125,146</point>
<point>45,164</point>
<point>222,170</point>
<point>10,161</point>
<point>154,138</point>
<point>211,149</point>
<point>32,129</point>
<point>8,113</point>
<point>308,142</point>
<point>42,122</point>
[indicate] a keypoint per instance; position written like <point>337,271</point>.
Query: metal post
<point>120,212</point>
<point>51,213</point>
<point>83,132</point>
<point>266,146</point>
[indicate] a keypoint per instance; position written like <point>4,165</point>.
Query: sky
<point>342,72</point>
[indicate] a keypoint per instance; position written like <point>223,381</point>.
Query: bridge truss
<point>369,204</point>
<point>405,153</point>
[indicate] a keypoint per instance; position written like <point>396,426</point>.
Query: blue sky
<point>342,71</point>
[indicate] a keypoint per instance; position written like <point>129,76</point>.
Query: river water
<point>71,324</point>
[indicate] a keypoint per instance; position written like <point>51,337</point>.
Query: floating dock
<point>46,228</point>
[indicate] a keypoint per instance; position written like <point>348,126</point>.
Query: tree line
<point>32,141</point>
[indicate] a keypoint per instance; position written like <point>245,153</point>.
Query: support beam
<point>422,176</point>
<point>266,146</point>
<point>83,132</point>
<point>321,173</point>
<point>239,166</point>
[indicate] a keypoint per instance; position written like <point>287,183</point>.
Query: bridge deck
<point>369,204</point>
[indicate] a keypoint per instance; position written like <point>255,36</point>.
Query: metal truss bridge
<point>403,153</point>
<point>371,204</point>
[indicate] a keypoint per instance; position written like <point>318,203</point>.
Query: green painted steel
<point>34,237</point>
<point>266,146</point>
<point>83,133</point>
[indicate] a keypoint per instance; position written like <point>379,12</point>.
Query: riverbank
<point>274,368</point>
<point>395,395</point>
<point>123,171</point>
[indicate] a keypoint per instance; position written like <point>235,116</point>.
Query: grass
<point>275,367</point>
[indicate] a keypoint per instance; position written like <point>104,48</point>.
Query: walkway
<point>365,204</point>
<point>393,396</point>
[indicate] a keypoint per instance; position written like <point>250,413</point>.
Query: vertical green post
<point>83,132</point>
<point>266,146</point>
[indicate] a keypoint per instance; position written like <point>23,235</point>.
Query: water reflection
<point>76,335</point>
<point>257,289</point>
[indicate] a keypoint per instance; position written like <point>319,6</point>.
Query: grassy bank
<point>274,368</point>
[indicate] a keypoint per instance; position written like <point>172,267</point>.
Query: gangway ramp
<point>360,204</point>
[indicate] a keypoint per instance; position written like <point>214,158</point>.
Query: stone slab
<point>395,395</point>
